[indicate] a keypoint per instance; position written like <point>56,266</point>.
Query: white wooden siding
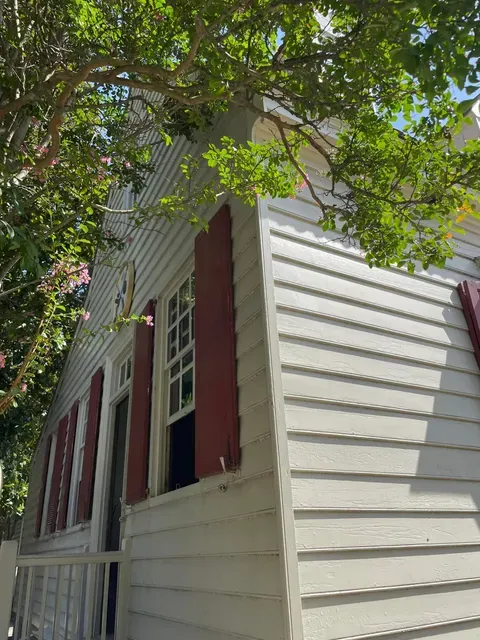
<point>205,562</point>
<point>382,407</point>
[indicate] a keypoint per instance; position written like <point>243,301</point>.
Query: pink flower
<point>54,161</point>
<point>149,320</point>
<point>127,164</point>
<point>23,387</point>
<point>2,361</point>
<point>35,121</point>
<point>159,17</point>
<point>105,159</point>
<point>303,184</point>
<point>99,177</point>
<point>66,275</point>
<point>41,149</point>
<point>86,315</point>
<point>129,240</point>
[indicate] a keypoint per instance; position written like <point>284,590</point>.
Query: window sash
<point>179,371</point>
<point>78,461</point>
<point>124,372</point>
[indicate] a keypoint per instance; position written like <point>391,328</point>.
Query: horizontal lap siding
<point>205,564</point>
<point>248,616</point>
<point>382,406</point>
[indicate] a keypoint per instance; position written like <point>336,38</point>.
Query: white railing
<point>69,597</point>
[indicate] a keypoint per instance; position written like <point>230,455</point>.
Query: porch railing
<point>64,597</point>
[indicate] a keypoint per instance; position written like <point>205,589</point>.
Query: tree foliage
<point>84,83</point>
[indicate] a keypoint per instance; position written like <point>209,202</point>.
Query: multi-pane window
<point>78,460</point>
<point>180,361</point>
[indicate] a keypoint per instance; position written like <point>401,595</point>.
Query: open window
<point>197,368</point>
<point>179,374</point>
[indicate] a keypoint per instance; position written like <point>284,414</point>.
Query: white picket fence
<point>69,597</point>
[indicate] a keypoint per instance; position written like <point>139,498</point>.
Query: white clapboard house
<point>291,451</point>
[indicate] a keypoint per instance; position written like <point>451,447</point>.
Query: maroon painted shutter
<point>90,451</point>
<point>139,438</point>
<point>469,293</point>
<point>216,415</point>
<point>55,485</point>
<point>41,501</point>
<point>67,468</point>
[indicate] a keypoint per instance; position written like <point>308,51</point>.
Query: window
<point>78,460</point>
<point>48,484</point>
<point>180,361</point>
<point>179,375</point>
<point>124,372</point>
<point>130,198</point>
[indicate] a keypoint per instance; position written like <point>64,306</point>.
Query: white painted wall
<point>205,561</point>
<point>380,393</point>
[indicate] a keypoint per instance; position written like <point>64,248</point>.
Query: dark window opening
<point>182,453</point>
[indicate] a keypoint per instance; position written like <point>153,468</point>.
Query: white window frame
<point>122,345</point>
<point>48,484</point>
<point>159,445</point>
<point>79,449</point>
<point>121,389</point>
<point>178,359</point>
<point>130,199</point>
<point>122,374</point>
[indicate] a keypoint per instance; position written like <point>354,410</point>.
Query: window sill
<point>204,484</point>
<point>64,532</point>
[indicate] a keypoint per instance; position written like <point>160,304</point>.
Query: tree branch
<point>297,166</point>
<point>185,65</point>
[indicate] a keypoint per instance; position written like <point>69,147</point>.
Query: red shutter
<point>90,451</point>
<point>470,296</point>
<point>56,475</point>
<point>67,468</point>
<point>216,415</point>
<point>138,444</point>
<point>41,501</point>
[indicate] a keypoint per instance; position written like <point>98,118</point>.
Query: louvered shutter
<point>55,485</point>
<point>139,437</point>
<point>85,494</point>
<point>67,468</point>
<point>469,293</point>
<point>216,414</point>
<point>43,486</point>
